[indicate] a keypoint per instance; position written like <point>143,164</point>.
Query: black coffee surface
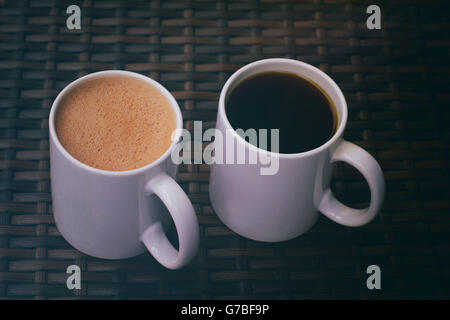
<point>285,101</point>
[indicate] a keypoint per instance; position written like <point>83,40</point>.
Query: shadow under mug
<point>116,214</point>
<point>284,205</point>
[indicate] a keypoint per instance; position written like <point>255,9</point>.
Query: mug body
<point>282,205</point>
<point>97,211</point>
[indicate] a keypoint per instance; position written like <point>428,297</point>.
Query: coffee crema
<point>115,123</point>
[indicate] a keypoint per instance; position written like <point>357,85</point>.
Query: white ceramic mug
<point>284,205</point>
<point>113,214</point>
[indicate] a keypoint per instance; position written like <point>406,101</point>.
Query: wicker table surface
<point>396,84</point>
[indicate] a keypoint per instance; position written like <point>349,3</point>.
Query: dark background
<point>396,84</point>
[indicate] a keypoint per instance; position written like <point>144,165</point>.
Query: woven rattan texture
<point>396,84</point>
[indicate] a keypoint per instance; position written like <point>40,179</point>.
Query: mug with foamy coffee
<point>111,136</point>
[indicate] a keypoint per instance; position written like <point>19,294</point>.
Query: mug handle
<point>370,169</point>
<point>184,217</point>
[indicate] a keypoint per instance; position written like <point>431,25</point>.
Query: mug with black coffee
<point>111,136</point>
<point>310,113</point>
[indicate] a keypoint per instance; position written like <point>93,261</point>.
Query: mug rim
<point>303,65</point>
<point>173,104</point>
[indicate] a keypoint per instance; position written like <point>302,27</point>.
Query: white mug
<point>116,214</point>
<point>284,205</point>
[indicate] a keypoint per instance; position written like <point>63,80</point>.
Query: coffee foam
<point>115,123</point>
